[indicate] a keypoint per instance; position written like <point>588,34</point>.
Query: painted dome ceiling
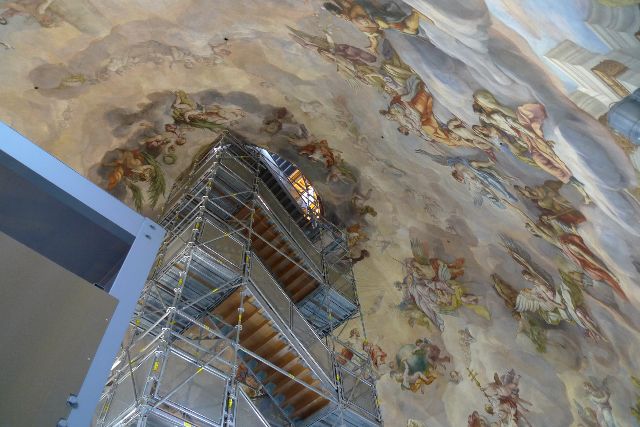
<point>464,144</point>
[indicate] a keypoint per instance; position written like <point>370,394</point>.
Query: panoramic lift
<point>237,324</point>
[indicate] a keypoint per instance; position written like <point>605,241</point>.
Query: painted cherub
<point>215,117</point>
<point>375,352</point>
<point>164,143</point>
<point>319,151</point>
<point>274,122</point>
<point>339,171</point>
<point>359,204</point>
<point>413,367</point>
<point>356,235</point>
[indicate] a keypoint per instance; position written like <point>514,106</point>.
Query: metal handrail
<point>293,309</point>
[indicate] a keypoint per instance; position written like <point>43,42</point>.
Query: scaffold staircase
<point>279,257</point>
<point>235,325</point>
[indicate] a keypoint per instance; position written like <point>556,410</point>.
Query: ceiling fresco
<point>492,213</point>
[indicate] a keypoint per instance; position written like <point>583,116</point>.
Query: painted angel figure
<point>542,298</point>
<point>482,179</point>
<point>430,284</point>
<point>575,309</point>
<point>127,168</point>
<point>553,303</point>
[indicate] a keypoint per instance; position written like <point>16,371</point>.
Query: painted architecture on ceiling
<point>492,213</point>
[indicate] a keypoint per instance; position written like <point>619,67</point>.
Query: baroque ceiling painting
<point>467,146</point>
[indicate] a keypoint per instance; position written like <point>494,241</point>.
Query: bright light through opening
<point>305,194</point>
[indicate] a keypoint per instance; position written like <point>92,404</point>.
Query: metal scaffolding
<point>237,323</point>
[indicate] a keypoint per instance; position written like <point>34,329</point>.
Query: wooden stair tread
<point>311,408</point>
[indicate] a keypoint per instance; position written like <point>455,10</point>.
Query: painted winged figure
<point>552,303</point>
<point>431,285</point>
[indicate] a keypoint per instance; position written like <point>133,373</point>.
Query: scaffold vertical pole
<point>231,400</point>
<point>151,388</point>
